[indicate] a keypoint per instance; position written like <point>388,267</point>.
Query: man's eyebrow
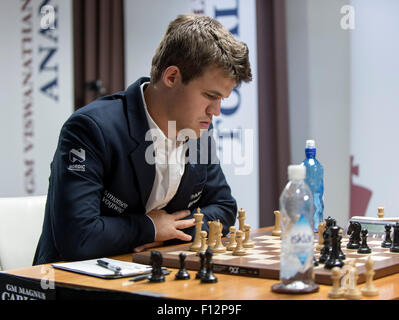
<point>215,92</point>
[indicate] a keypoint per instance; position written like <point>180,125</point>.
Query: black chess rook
<point>395,243</point>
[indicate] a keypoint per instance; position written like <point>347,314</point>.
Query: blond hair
<point>194,43</point>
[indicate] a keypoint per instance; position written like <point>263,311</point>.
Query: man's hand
<point>167,225</point>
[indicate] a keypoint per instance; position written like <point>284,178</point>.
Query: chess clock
<point>374,226</point>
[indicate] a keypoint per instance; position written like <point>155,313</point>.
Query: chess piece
<point>315,262</point>
<point>247,243</point>
<point>333,258</point>
<point>364,248</point>
<point>156,271</point>
<point>325,251</point>
<point>204,244</point>
<point>241,219</point>
<point>336,291</point>
<point>395,240</point>
<point>341,255</point>
<point>196,245</point>
<point>232,243</point>
<point>219,247</point>
<point>212,234</point>
<point>387,243</point>
<point>209,277</point>
<point>352,292</point>
<point>354,232</point>
<point>202,271</point>
<point>381,212</point>
<point>321,228</point>
<point>182,274</point>
<point>369,290</point>
<point>277,229</point>
<point>239,249</point>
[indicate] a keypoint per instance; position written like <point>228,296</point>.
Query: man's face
<point>195,103</point>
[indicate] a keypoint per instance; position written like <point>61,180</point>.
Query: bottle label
<point>297,255</point>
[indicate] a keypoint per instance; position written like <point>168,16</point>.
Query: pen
<point>147,275</point>
<point>109,266</point>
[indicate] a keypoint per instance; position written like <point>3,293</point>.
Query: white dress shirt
<point>169,164</point>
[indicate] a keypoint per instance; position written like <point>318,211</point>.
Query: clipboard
<point>91,268</point>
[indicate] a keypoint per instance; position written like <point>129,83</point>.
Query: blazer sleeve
<point>216,200</point>
<point>79,229</point>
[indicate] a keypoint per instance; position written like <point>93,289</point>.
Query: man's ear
<point>171,76</point>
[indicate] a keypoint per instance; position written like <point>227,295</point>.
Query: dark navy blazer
<point>100,182</point>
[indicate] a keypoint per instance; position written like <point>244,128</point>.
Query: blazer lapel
<point>138,128</point>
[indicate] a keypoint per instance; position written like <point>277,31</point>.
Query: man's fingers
<point>183,224</point>
<point>183,236</point>
<point>181,214</point>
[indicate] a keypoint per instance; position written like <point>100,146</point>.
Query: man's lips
<point>205,124</point>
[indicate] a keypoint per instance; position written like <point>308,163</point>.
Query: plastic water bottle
<point>297,246</point>
<point>314,179</point>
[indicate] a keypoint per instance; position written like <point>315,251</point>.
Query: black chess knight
<point>354,232</point>
<point>156,271</point>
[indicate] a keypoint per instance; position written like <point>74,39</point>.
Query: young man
<point>119,180</point>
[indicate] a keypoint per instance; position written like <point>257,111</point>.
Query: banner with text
<point>36,90</point>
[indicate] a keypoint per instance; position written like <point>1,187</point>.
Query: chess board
<point>264,259</point>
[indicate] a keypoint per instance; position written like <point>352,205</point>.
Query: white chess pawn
<point>247,243</point>
<point>336,290</point>
<point>369,290</point>
<point>232,244</point>
<point>204,244</point>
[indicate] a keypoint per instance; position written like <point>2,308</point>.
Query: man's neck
<point>156,108</point>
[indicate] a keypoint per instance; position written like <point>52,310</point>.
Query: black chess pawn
<point>202,271</point>
<point>387,243</point>
<point>364,248</point>
<point>182,274</point>
<point>395,242</point>
<point>156,271</point>
<point>354,232</point>
<point>209,276</point>
<point>333,258</point>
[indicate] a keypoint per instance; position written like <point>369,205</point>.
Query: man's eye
<point>209,96</point>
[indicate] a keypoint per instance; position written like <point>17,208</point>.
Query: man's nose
<point>214,107</point>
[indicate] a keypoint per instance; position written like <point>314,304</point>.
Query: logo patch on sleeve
<point>77,156</point>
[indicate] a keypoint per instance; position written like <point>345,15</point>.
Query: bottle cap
<point>310,144</point>
<point>296,172</point>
